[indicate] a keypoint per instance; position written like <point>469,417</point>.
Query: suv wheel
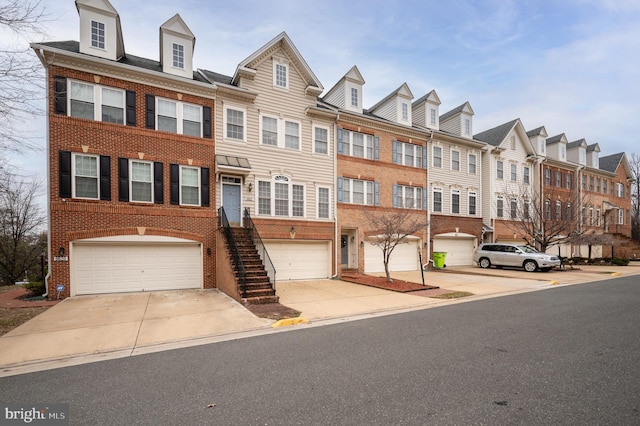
<point>530,266</point>
<point>484,263</point>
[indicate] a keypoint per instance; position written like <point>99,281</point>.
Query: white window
<point>455,201</point>
<point>547,176</point>
<point>96,102</point>
<point>189,186</point>
<point>433,116</point>
<point>500,207</point>
<point>543,145</point>
<point>408,154</point>
<point>235,123</point>
<point>455,160</point>
<point>473,196</point>
<point>437,156</point>
<point>569,213</point>
<point>547,209</point>
<point>558,179</point>
<point>583,156</point>
<point>408,197</point>
<point>500,170</point>
<point>525,175</point>
<point>513,142</point>
<point>591,216</point>
<point>569,182</point>
<point>563,152</point>
<point>280,197</point>
<point>514,172</point>
<point>354,97</point>
<point>559,211</point>
<point>141,182</point>
<point>620,216</point>
<point>467,126</point>
<point>323,203</point>
<point>437,199</point>
<point>178,117</point>
<point>281,75</point>
<point>357,144</point>
<point>598,216</point>
<point>356,191</point>
<point>405,111</point>
<point>321,140</point>
<point>178,56</point>
<point>472,164</point>
<point>619,190</point>
<point>280,133</point>
<point>97,35</point>
<point>85,176</point>
<point>513,208</point>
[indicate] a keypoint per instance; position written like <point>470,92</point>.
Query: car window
<point>510,249</point>
<point>528,249</point>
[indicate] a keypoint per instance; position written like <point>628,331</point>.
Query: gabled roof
<point>352,75</point>
<point>496,135</point>
<point>177,26</point>
<point>579,142</point>
<point>402,91</point>
<point>556,139</point>
<point>431,97</point>
<point>281,41</point>
<point>465,107</point>
<point>540,131</point>
<point>593,147</point>
<point>611,163</point>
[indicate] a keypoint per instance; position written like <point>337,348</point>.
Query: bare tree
<point>391,229</point>
<point>634,164</point>
<point>22,238</point>
<point>544,219</point>
<point>21,76</point>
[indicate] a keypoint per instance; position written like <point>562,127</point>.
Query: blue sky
<point>570,65</point>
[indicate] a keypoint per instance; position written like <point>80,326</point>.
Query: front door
<point>231,203</point>
<point>344,249</point>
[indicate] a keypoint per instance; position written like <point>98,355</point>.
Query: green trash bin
<point>438,259</point>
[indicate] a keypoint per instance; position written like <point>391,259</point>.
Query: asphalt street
<point>568,355</point>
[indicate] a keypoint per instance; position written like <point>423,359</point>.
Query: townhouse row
<point>146,155</point>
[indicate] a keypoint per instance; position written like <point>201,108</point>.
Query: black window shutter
<point>105,178</point>
<point>64,171</point>
<point>158,183</point>
<point>131,108</point>
<point>174,178</point>
<point>204,188</point>
<point>150,108</point>
<point>123,179</point>
<point>60,95</point>
<point>206,122</point>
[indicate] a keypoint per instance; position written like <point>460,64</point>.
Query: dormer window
<point>354,97</point>
<point>467,126</point>
<point>280,75</point>
<point>405,111</point>
<point>433,116</point>
<point>583,157</point>
<point>563,152</point>
<point>543,144</point>
<point>97,35</point>
<point>513,143</point>
<point>178,55</point>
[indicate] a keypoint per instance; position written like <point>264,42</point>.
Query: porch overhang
<point>231,164</point>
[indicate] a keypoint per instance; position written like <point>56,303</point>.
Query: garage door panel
<point>459,250</point>
<point>404,257</point>
<point>300,260</point>
<point>122,267</point>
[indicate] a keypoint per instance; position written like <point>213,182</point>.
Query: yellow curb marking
<point>616,274</point>
<point>554,282</point>
<point>289,321</point>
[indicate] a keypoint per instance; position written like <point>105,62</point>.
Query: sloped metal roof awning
<point>228,163</point>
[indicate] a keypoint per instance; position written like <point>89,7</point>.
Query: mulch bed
<point>18,298</point>
<point>274,311</point>
<point>381,282</point>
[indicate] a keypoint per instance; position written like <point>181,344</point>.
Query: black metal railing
<point>262,250</point>
<point>234,252</point>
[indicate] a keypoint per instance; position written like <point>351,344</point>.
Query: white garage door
<point>121,267</point>
<point>459,250</point>
<point>403,258</point>
<point>300,260</point>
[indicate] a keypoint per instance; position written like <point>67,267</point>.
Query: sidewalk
<point>91,328</point>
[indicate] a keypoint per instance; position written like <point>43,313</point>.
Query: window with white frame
<point>472,164</point>
<point>323,203</point>
<point>358,144</point>
<point>178,55</point>
<point>513,208</point>
<point>281,197</point>
<point>591,186</point>
<point>189,185</point>
<point>619,190</point>
<point>235,123</point>
<point>408,154</point>
<point>405,111</point>
<point>280,75</point>
<point>141,182</point>
<point>542,145</point>
<point>525,209</point>
<point>598,184</point>
<point>473,198</point>
<point>433,116</point>
<point>85,173</point>
<point>514,172</point>
<point>354,97</point>
<point>604,186</point>
<point>467,126</point>
<point>455,201</point>
<point>569,180</point>
<point>437,199</point>
<point>591,216</point>
<point>356,191</point>
<point>526,179</point>
<point>598,216</point>
<point>584,183</point>
<point>569,213</point>
<point>455,160</point>
<point>620,216</point>
<point>96,102</point>
<point>547,209</point>
<point>320,140</point>
<point>291,135</point>
<point>500,206</point>
<point>547,176</point>
<point>178,117</point>
<point>437,156</point>
<point>563,152</point>
<point>558,211</point>
<point>513,142</point>
<point>500,170</point>
<point>97,35</point>
<point>408,197</point>
<point>558,179</point>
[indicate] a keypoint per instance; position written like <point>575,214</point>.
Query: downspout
<point>48,201</point>
<point>336,230</point>
<point>426,171</point>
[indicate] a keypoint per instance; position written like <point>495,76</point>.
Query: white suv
<point>516,255</point>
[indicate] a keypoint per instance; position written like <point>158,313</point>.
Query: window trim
<point>328,188</point>
<point>455,193</point>
<point>455,162</point>
<point>131,180</point>
<point>472,195</point>
<point>473,163</point>
<point>225,122</point>
<point>283,179</point>
<point>74,175</point>
<point>500,206</point>
<point>513,174</point>
<point>199,186</point>
<point>436,157</point>
<point>437,190</point>
<point>180,106</point>
<point>526,175</point>
<point>500,170</point>
<point>276,78</point>
<point>313,130</point>
<point>102,45</point>
<point>281,135</point>
<point>98,102</point>
<point>177,56</point>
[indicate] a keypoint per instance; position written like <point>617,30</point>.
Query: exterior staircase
<point>258,288</point>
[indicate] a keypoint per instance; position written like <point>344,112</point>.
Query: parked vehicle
<point>515,255</point>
